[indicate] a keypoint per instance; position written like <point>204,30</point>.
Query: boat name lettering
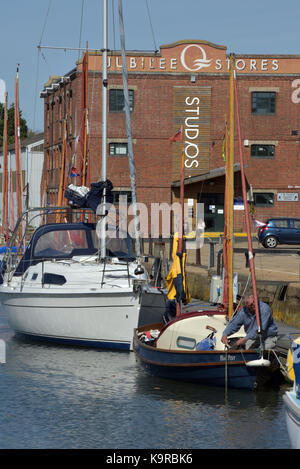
<point>228,358</point>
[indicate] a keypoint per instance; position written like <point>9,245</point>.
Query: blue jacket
<point>245,318</point>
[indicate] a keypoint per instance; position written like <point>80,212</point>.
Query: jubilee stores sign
<point>202,56</point>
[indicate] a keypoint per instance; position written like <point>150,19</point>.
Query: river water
<point>65,397</point>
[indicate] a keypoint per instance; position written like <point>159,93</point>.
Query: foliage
<point>11,125</point>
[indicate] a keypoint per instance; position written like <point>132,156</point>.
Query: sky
<point>243,26</point>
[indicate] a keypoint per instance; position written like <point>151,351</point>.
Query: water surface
<point>66,397</point>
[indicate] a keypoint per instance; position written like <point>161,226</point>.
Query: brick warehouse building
<point>186,83</point>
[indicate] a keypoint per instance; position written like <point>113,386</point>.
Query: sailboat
<point>77,283</point>
<point>189,347</point>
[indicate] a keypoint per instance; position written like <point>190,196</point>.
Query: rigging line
<point>36,89</point>
<point>152,31</point>
<point>113,20</point>
<point>80,30</point>
<point>37,65</point>
<point>45,22</point>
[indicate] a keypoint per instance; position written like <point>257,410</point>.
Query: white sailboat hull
<point>98,319</point>
<point>292,414</point>
<point>96,305</point>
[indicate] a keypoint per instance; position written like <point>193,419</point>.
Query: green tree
<point>11,125</point>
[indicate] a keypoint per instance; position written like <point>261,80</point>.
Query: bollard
<point>211,257</point>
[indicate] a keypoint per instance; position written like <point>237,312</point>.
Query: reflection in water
<point>66,397</point>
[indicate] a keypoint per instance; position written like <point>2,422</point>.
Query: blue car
<point>279,231</point>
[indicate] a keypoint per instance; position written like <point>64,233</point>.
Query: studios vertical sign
<point>192,111</point>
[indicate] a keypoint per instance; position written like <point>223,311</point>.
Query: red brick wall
<point>153,123</point>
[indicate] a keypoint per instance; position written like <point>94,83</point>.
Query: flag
<point>74,173</point>
<point>177,137</point>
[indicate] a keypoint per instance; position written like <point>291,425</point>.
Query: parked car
<point>279,231</point>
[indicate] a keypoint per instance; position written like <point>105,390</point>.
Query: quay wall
<point>282,297</point>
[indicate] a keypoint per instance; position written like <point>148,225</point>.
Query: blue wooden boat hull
<point>205,367</point>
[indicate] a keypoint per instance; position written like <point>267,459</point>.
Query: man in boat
<point>246,317</point>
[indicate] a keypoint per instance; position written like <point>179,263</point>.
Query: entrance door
<point>213,211</point>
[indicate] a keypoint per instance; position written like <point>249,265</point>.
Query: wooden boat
<point>189,346</point>
<point>170,351</point>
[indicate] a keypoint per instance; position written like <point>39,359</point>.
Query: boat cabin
<point>66,240</point>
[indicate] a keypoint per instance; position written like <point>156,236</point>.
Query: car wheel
<point>270,242</point>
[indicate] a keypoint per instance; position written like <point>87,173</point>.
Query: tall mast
<point>85,68</point>
<point>226,205</point>
<point>129,135</point>
<point>62,172</point>
<point>104,127</point>
<point>19,182</point>
<point>5,176</point>
<point>230,192</point>
<point>247,216</point>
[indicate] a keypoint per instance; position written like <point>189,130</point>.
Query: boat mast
<point>19,181</point>
<point>247,215</point>
<point>5,176</point>
<point>230,192</point>
<point>84,119</point>
<point>226,205</point>
<point>62,172</point>
<point>104,129</point>
<point>129,135</point>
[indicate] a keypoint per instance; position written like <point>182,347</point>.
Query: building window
<point>263,102</point>
<point>116,100</point>
<point>263,199</point>
<point>123,197</point>
<point>118,149</point>
<point>262,151</point>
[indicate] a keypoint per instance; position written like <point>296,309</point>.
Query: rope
<point>37,65</point>
<point>80,31</point>
<point>113,25</point>
<point>282,368</point>
<point>151,27</point>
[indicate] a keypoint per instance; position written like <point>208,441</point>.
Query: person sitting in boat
<point>246,317</point>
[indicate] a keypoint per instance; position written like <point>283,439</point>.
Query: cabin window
<point>263,199</point>
<point>262,151</point>
<point>117,102</point>
<point>186,342</point>
<point>118,149</point>
<point>60,242</point>
<point>263,102</point>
